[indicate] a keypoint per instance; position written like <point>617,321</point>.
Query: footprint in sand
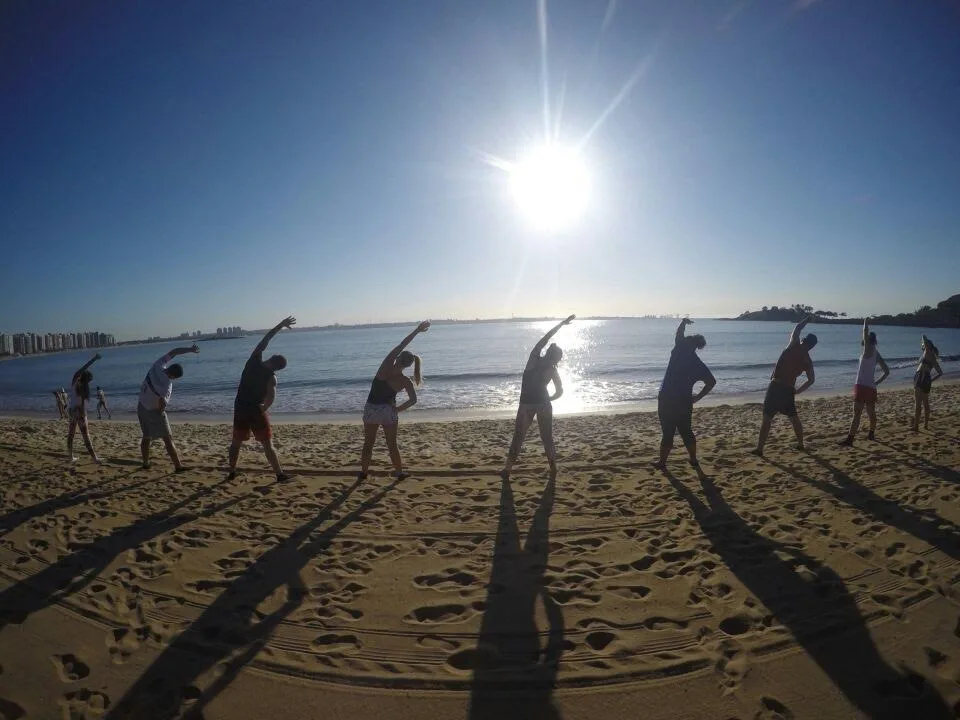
<point>449,579</point>
<point>70,668</point>
<point>773,709</point>
<point>334,643</point>
<point>450,613</point>
<point>599,640</point>
<point>84,704</point>
<point>435,642</point>
<point>9,710</point>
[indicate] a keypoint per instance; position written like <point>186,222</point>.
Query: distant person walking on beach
<point>676,399</point>
<point>865,390</point>
<point>794,361</point>
<point>79,394</point>
<point>536,400</point>
<point>102,405</point>
<point>255,395</point>
<point>155,393</point>
<point>381,408</point>
<point>922,380</point>
<point>61,405</point>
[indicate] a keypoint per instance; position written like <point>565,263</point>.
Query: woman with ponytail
<point>381,408</point>
<point>536,400</point>
<point>922,380</point>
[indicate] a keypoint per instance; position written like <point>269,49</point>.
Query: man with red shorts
<point>794,361</point>
<point>255,395</point>
<point>865,391</point>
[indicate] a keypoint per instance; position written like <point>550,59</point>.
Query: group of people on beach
<point>257,392</point>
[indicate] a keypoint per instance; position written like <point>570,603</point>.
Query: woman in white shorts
<point>381,409</point>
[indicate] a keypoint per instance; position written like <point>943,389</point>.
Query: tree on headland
<point>945,314</point>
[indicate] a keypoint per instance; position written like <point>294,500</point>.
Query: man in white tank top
<point>865,390</point>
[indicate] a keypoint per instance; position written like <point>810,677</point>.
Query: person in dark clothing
<point>676,399</point>
<point>255,395</point>
<point>381,407</point>
<point>794,361</point>
<point>922,380</point>
<point>536,400</point>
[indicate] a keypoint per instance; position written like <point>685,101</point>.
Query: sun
<point>551,185</point>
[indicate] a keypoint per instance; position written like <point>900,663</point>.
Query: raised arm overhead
<point>865,338</point>
<point>262,345</point>
<point>683,325</point>
<point>89,362</point>
<point>184,350</point>
<point>392,356</point>
<point>542,343</point>
<point>795,335</point>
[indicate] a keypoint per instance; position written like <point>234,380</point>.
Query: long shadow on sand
<point>75,571</point>
<point>231,626</point>
<point>919,462</point>
<point>814,611</point>
<point>13,519</point>
<point>513,675</point>
<point>923,524</point>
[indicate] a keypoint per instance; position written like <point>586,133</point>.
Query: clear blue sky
<point>169,167</point>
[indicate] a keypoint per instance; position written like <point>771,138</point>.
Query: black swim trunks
<point>780,398</point>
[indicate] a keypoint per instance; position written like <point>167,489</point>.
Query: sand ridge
<point>526,597</point>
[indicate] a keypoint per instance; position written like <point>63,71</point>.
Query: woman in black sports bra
<point>381,407</point>
<point>922,380</point>
<point>535,399</point>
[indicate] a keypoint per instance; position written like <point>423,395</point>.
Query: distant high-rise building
<point>6,344</point>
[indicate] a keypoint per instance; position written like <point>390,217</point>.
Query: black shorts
<point>780,399</point>
<point>922,381</point>
<point>676,416</point>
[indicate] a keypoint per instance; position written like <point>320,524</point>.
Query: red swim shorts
<point>864,394</point>
<point>247,422</point>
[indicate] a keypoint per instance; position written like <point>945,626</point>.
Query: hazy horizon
<point>361,164</point>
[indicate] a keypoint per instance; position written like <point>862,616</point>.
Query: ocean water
<point>469,368</point>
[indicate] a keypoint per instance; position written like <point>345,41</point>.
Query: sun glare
<point>551,186</point>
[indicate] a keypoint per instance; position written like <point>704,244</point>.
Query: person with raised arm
<point>536,400</point>
<point>381,409</point>
<point>781,392</point>
<point>865,389</point>
<point>102,405</point>
<point>675,400</point>
<point>922,380</point>
<point>79,394</point>
<point>155,392</point>
<point>61,404</point>
<point>255,395</point>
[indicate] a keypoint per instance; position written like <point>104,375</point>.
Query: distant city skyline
<point>373,162</point>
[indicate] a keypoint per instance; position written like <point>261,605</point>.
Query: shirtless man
<point>255,395</point>
<point>794,361</point>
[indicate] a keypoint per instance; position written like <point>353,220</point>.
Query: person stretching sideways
<point>255,395</point>
<point>865,389</point>
<point>781,393</point>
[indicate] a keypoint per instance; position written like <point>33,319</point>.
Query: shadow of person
<point>13,519</point>
<point>231,626</point>
<point>73,572</point>
<point>514,674</point>
<point>923,524</point>
<point>819,612</point>
<point>918,462</point>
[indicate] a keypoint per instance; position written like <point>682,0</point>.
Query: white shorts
<point>376,414</point>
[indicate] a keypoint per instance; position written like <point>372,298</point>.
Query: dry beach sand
<point>820,584</point>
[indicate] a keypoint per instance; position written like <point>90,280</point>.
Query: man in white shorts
<point>155,393</point>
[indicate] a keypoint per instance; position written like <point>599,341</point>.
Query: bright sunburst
<point>551,185</point>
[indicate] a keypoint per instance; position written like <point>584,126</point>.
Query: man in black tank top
<point>255,395</point>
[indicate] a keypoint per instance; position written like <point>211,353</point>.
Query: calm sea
<point>469,368</point>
